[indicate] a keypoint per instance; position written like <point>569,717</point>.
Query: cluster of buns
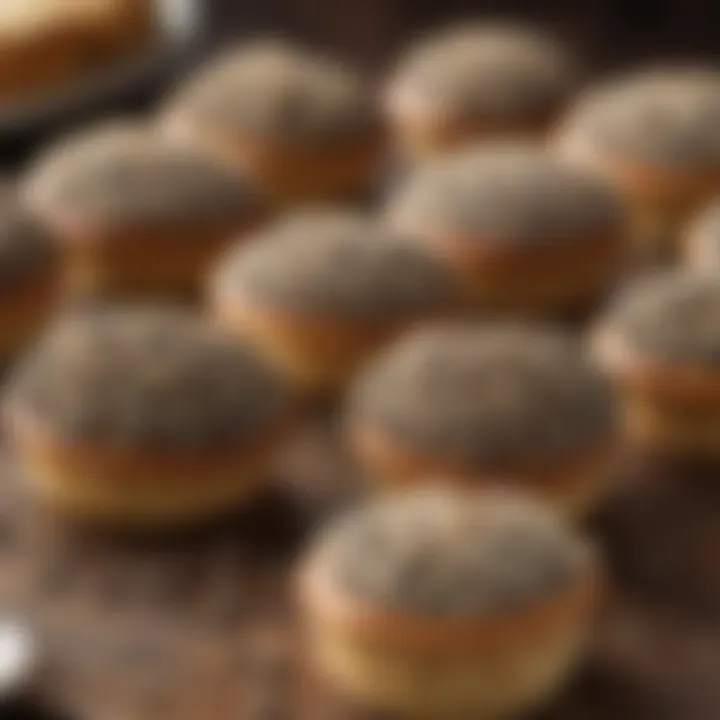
<point>439,320</point>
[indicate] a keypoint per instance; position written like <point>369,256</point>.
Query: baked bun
<point>447,603</point>
<point>483,404</point>
<point>47,44</point>
<point>303,127</point>
<point>138,215</point>
<point>660,341</point>
<point>528,233</point>
<point>320,291</point>
<point>477,82</point>
<point>29,275</point>
<point>145,416</point>
<point>654,133</point>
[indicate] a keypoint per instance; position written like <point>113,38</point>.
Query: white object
<point>17,656</point>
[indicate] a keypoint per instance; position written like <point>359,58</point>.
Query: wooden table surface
<point>203,627</point>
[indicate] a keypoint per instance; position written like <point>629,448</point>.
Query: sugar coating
<point>125,175</point>
<point>440,552</point>
<point>485,396</point>
<point>26,248</point>
<point>671,316</point>
<point>338,264</point>
<point>487,71</point>
<point>663,118</point>
<point>508,194</point>
<point>148,378</point>
<point>278,91</point>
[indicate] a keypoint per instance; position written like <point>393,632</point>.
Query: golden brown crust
<point>668,190</point>
<point>294,173</point>
<point>405,632</point>
<point>573,483</point>
<point>531,279</point>
<point>668,429</point>
<point>143,260</point>
<point>43,54</point>
<point>317,353</point>
<point>137,485</point>
<point>684,385</point>
<point>24,307</point>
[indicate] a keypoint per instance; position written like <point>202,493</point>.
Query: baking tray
<point>201,626</point>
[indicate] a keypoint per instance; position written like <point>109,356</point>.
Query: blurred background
<point>606,35</point>
<point>610,32</point>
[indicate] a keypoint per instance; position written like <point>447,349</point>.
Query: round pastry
<point>304,128</point>
<point>701,241</point>
<point>319,291</point>
<point>477,82</point>
<point>655,135</point>
<point>503,402</point>
<point>137,415</point>
<point>529,234</point>
<point>443,603</point>
<point>29,276</point>
<point>138,215</point>
<point>660,341</point>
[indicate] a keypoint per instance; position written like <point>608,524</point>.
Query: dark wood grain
<point>202,625</point>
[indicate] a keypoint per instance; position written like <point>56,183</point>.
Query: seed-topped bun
<point>509,194</point>
<point>524,227</point>
<point>660,340</point>
<point>486,402</point>
<point>133,178</point>
<point>278,91</point>
<point>320,290</point>
<point>265,104</point>
<point>485,395</point>
<point>429,572</point>
<point>112,391</point>
<point>669,317</point>
<point>149,378</point>
<point>702,239</point>
<point>478,81</point>
<point>29,270</point>
<point>339,264</point>
<point>136,209</point>
<point>654,134</point>
<point>437,553</point>
<point>663,118</point>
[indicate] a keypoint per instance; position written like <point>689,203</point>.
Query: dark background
<point>604,35</point>
<point>607,33</point>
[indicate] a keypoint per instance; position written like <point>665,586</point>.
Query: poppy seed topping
<point>338,265</point>
<point>150,378</point>
<point>486,396</point>
<point>440,552</point>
